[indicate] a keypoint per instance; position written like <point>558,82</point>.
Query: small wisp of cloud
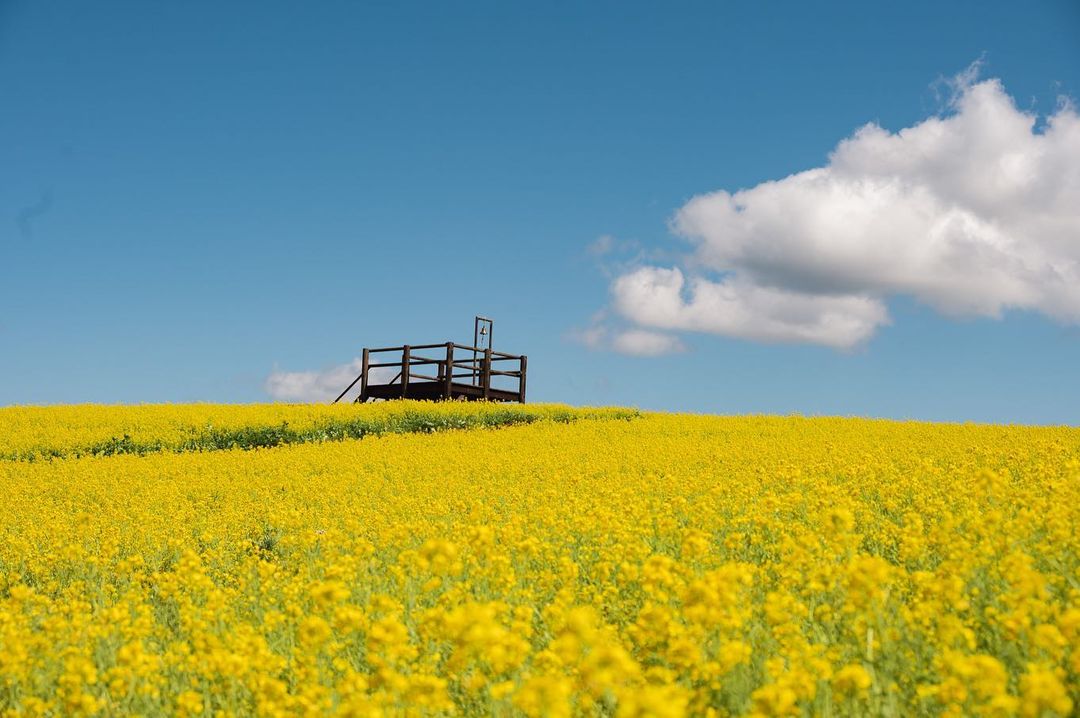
<point>319,385</point>
<point>600,336</point>
<point>27,215</point>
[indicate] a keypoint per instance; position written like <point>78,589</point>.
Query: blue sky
<point>194,196</point>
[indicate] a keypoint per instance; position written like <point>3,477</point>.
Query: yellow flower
<point>429,692</point>
<point>325,593</point>
<point>189,703</point>
<point>547,696</point>
<point>852,679</point>
<point>664,701</point>
<point>1041,690</point>
<point>775,700</point>
<point>314,632</point>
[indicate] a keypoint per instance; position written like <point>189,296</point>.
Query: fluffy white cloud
<point>972,213</point>
<point>655,297</point>
<point>318,386</point>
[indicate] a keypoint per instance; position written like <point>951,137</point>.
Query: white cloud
<point>972,213</point>
<point>595,336</point>
<point>599,335</point>
<point>657,297</point>
<point>602,245</point>
<point>645,343</point>
<point>318,386</point>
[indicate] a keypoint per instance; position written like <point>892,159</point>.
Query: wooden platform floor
<point>434,390</point>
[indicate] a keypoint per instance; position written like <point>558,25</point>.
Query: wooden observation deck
<point>441,372</point>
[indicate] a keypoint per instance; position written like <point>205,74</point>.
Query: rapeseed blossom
<point>578,563</point>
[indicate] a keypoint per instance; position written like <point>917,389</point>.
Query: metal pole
<point>488,332</point>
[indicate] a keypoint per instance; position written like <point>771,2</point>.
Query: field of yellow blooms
<point>231,561</point>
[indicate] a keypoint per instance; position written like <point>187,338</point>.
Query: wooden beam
<point>521,384</point>
<point>449,370</point>
<point>364,376</point>
<point>486,373</point>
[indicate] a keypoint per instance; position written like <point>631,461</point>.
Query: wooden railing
<point>477,368</point>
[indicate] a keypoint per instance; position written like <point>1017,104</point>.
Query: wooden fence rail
<point>410,384</point>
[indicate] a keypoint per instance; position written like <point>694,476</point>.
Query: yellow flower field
<point>601,563</point>
<point>35,432</point>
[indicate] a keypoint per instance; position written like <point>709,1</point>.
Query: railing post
<point>363,377</point>
<point>486,371</point>
<point>521,386</point>
<point>449,378</point>
<point>405,367</point>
